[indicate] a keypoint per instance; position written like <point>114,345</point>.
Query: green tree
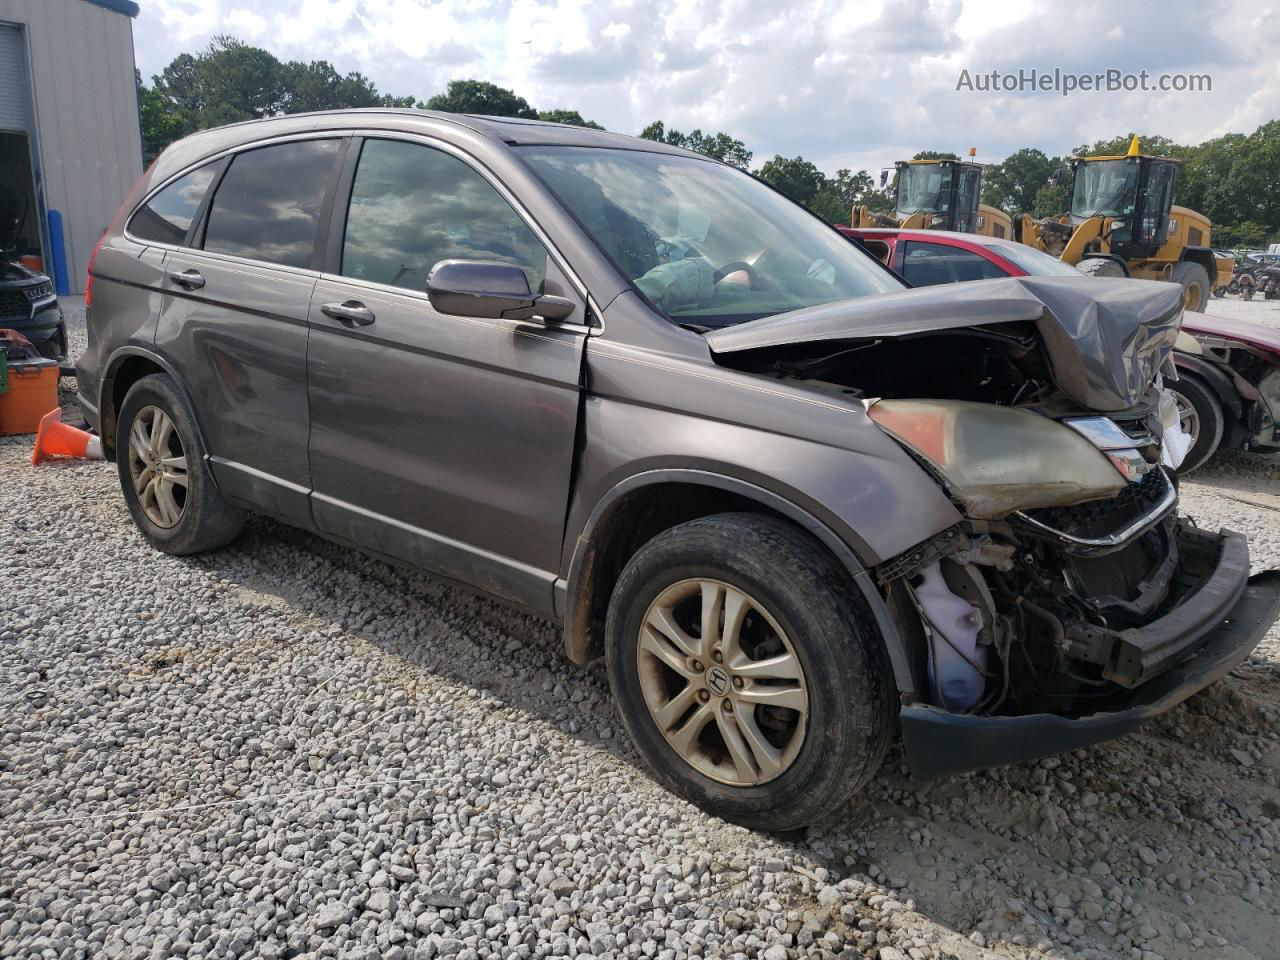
<point>318,86</point>
<point>795,177</point>
<point>1050,200</point>
<point>226,82</point>
<point>838,195</point>
<point>935,155</point>
<point>719,146</point>
<point>1015,183</point>
<point>1153,145</point>
<point>159,123</point>
<point>482,98</point>
<point>571,117</point>
<point>230,81</point>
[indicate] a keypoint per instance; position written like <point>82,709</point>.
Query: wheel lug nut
<point>717,656</point>
<point>728,706</point>
<point>704,696</point>
<point>697,666</point>
<point>737,683</point>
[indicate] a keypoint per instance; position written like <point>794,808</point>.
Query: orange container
<point>33,392</point>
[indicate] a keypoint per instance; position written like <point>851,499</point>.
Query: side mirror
<point>491,289</point>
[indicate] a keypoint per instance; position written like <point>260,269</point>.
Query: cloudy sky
<point>856,84</point>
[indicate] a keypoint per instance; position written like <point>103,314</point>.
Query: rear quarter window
<point>168,215</point>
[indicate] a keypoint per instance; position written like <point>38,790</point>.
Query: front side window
<point>706,244</point>
<point>167,216</point>
<point>268,204</point>
<point>413,206</point>
<point>927,264</point>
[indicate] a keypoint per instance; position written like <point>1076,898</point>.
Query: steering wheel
<point>733,266</point>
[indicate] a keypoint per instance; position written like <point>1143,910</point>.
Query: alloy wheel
<point>722,682</point>
<point>158,467</point>
<point>1187,417</point>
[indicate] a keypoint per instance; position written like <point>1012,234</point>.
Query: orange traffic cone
<point>56,439</point>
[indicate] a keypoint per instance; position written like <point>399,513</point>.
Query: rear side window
<point>413,206</point>
<point>167,216</point>
<point>268,204</point>
<point>927,264</point>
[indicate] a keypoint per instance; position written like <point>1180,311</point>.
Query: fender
<point>113,364</point>
<point>572,602</point>
<point>1212,374</point>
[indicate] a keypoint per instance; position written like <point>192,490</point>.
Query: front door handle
<point>191,279</point>
<point>351,312</point>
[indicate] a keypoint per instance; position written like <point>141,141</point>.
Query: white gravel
<point>287,749</point>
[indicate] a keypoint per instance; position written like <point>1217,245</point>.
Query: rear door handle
<point>351,312</point>
<point>191,279</point>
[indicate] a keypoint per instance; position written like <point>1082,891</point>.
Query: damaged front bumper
<point>1212,631</point>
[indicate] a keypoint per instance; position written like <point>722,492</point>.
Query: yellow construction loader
<point>1123,223</point>
<point>938,195</point>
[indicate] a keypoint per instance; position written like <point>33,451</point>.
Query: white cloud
<point>855,85</point>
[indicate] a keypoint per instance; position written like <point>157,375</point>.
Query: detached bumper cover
<point>939,743</point>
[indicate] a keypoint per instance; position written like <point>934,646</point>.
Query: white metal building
<point>70,147</point>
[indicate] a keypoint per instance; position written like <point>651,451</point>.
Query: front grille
<point>14,305</point>
<point>1099,518</point>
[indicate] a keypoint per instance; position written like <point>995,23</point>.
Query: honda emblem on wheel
<point>717,681</point>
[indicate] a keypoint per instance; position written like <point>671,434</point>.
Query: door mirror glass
<point>491,289</point>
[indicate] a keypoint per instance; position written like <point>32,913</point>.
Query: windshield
<point>707,244</point>
<point>924,188</point>
<point>1105,188</point>
<point>1033,261</point>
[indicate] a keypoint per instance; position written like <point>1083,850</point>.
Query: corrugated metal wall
<point>80,58</point>
<point>14,91</point>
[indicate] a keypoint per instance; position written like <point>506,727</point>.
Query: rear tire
<point>191,515</point>
<point>802,610</point>
<point>1194,280</point>
<point>1100,267</point>
<point>1201,410</point>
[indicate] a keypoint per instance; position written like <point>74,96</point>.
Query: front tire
<point>1201,414</point>
<point>164,472</point>
<point>1194,280</point>
<point>1100,267</point>
<point>748,672</point>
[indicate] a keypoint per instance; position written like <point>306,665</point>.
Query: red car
<point>1228,390</point>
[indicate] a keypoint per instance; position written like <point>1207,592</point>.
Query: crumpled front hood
<point>1105,338</point>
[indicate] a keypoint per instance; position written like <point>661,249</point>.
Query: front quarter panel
<point>651,411</point>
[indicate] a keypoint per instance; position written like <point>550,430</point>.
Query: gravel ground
<point>288,749</point>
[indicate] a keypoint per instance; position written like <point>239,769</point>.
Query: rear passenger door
<point>443,440</point>
<point>234,318</point>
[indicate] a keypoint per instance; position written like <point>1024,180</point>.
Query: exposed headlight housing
<point>1000,459</point>
<point>1118,446</point>
<point>39,292</point>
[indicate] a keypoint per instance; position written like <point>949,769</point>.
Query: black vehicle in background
<point>29,305</point>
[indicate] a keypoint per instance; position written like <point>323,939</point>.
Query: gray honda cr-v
<point>795,505</point>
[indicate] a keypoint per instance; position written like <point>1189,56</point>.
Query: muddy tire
<point>1202,416</point>
<point>164,473</point>
<point>780,713</point>
<point>1100,267</point>
<point>1194,280</point>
